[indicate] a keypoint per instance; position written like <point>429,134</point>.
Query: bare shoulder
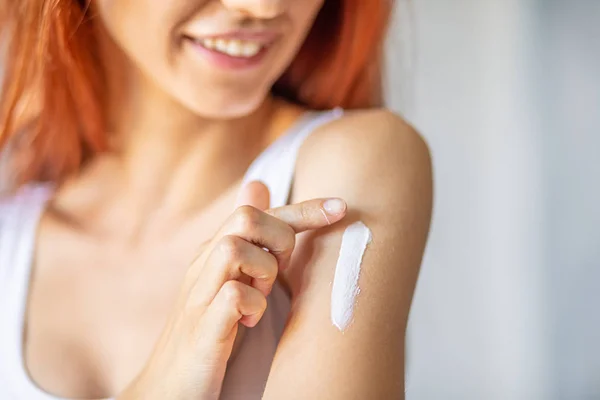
<point>371,130</point>
<point>374,150</point>
<point>381,121</point>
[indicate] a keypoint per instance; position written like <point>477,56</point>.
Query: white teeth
<point>234,48</point>
<point>221,45</point>
<point>250,49</point>
<point>209,43</point>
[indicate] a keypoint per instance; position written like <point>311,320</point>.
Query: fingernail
<point>334,206</point>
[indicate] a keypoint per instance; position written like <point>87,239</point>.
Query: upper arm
<point>381,167</point>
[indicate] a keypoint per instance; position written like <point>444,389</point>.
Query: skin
<point>116,242</point>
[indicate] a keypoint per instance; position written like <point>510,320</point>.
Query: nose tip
<point>264,9</point>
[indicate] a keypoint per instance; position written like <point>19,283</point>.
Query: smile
<point>235,50</point>
<point>231,47</point>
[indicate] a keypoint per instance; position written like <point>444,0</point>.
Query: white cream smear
<point>347,271</point>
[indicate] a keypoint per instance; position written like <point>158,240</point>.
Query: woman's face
<point>219,58</point>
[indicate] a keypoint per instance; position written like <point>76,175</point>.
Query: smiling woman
<point>135,127</point>
<point>55,64</point>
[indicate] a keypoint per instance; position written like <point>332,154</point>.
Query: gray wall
<point>568,91</point>
<point>507,93</point>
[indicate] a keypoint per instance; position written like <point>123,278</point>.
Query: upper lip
<point>263,37</point>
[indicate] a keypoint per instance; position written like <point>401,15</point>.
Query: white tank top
<point>19,217</point>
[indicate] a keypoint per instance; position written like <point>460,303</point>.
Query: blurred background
<point>507,93</point>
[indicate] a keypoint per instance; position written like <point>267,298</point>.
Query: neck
<point>166,160</point>
<point>160,153</point>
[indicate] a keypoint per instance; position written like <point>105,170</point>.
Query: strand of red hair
<point>51,104</point>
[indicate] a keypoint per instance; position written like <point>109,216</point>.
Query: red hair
<point>52,97</point>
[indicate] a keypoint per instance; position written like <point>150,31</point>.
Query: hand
<point>227,284</point>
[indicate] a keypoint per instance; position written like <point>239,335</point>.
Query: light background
<point>507,93</point>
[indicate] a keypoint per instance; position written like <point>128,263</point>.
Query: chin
<point>227,105</point>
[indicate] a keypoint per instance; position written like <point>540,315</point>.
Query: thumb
<point>255,194</point>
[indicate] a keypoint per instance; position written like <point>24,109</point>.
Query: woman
<point>130,127</point>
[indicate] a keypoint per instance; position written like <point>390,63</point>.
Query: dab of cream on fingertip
<point>345,289</point>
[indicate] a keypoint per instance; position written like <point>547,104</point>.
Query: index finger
<point>310,214</point>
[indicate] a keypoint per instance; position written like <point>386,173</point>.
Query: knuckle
<point>233,291</point>
<point>269,270</point>
<point>273,268</point>
<point>261,306</point>
<point>248,218</point>
<point>263,303</point>
<point>230,246</point>
<point>304,212</point>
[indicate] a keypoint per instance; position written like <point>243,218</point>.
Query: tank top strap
<point>276,165</point>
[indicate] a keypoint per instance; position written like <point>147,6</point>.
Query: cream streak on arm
<point>347,272</point>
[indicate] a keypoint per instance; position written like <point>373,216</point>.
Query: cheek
<point>304,13</point>
<point>140,28</point>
